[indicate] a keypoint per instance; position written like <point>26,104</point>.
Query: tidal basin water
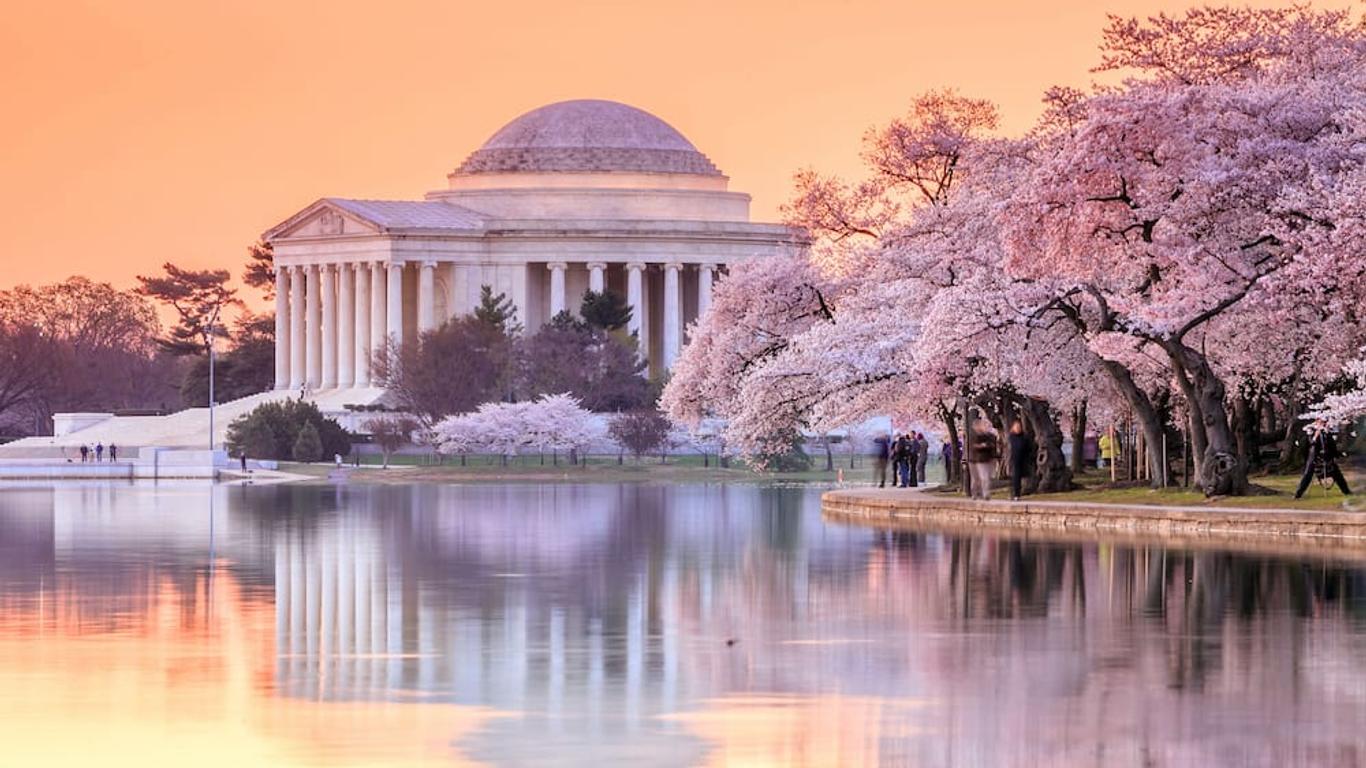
<point>644,625</point>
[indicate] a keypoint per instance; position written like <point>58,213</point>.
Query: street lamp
<point>210,331</point>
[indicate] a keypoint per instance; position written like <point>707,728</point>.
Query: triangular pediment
<point>322,219</point>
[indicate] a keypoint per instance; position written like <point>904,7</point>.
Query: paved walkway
<point>913,506</point>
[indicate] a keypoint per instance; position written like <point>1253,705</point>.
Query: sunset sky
<point>140,132</point>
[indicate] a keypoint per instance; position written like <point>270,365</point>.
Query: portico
<point>568,198</point>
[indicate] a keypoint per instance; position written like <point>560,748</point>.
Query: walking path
<point>1217,526</point>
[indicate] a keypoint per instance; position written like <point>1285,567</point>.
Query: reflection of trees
<point>1192,599</point>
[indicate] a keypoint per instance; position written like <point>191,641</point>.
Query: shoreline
<point>1204,527</point>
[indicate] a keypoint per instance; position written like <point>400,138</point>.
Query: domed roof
<point>587,136</point>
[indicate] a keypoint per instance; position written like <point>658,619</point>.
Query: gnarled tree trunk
<point>1222,471</point>
<point>1051,471</point>
<point>1079,438</point>
<point>1148,420</point>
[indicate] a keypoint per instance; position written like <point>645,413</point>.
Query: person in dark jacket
<point>1323,459</point>
<point>903,461</point>
<point>882,452</point>
<point>982,455</point>
<point>1021,446</point>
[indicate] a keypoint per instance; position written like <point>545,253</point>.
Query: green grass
<point>1271,492</point>
<point>599,469</point>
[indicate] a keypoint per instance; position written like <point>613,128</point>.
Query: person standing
<point>882,451</point>
<point>982,453</point>
<point>85,453</point>
<point>1107,446</point>
<point>1020,448</point>
<point>113,452</point>
<point>99,451</point>
<point>903,459</point>
<point>1323,459</point>
<point>912,460</point>
<point>922,450</point>
<point>947,452</point>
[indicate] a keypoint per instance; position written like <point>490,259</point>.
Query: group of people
<point>907,455</point>
<point>96,452</point>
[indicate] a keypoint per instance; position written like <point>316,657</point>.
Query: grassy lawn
<point>1273,492</point>
<point>599,469</point>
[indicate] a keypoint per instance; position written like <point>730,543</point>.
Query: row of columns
<point>330,317</point>
<point>635,293</point>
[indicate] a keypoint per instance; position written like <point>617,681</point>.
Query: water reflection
<point>675,625</point>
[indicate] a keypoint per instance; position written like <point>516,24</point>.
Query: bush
<point>308,446</point>
<point>640,431</point>
<point>272,431</point>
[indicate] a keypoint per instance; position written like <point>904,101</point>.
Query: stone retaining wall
<point>1317,530</point>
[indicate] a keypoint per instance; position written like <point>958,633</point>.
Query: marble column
<point>379,305</point>
<point>315,335</point>
<point>395,309</point>
<point>426,296</point>
<point>281,328</point>
<point>635,296</point>
<point>298,364</point>
<point>673,314</point>
<point>597,276</point>
<point>706,273</point>
<point>557,302</point>
<point>329,302</point>
<point>453,294</point>
<point>346,326</point>
<point>363,324</point>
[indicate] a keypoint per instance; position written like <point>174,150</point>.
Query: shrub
<point>271,430</point>
<point>308,446</point>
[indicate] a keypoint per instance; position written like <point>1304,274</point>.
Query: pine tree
<point>605,310</point>
<point>309,445</point>
<point>498,311</point>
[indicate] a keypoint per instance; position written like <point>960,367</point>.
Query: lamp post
<point>209,332</point>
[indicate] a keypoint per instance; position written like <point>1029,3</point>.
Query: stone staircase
<point>185,429</point>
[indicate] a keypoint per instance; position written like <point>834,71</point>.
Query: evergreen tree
<point>605,310</point>
<point>198,298</point>
<point>308,446</point>
<point>258,440</point>
<point>498,311</point>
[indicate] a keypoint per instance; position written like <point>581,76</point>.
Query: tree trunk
<point>1143,409</point>
<point>1050,471</point>
<point>1246,435</point>
<point>1295,449</point>
<point>951,427</point>
<point>829,457</point>
<point>1222,471</point>
<point>1079,438</point>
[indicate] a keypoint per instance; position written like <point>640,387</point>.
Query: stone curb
<point>1344,529</point>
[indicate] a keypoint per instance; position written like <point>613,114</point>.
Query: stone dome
<point>588,136</point>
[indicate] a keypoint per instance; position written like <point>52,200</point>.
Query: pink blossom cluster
<point>550,423</point>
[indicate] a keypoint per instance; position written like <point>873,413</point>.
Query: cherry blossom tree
<point>1185,197</point>
<point>554,422</point>
<point>1185,242</point>
<point>1346,406</point>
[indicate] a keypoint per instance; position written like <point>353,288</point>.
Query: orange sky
<point>143,131</point>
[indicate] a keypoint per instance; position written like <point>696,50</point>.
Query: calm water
<point>677,625</point>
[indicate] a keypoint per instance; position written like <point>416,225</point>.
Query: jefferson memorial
<point>569,197</point>
<point>574,196</point>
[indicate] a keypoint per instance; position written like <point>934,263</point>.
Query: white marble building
<point>571,196</point>
<point>567,197</point>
